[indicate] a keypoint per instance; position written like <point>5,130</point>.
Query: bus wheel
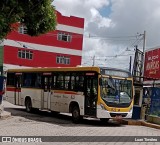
<point>104,120</point>
<point>76,114</point>
<point>28,104</point>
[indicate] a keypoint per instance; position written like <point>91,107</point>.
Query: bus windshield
<point>116,91</point>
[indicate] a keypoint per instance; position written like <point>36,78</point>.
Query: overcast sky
<point>114,26</point>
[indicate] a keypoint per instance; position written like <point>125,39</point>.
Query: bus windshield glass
<point>116,91</point>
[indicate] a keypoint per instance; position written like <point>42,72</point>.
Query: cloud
<point>81,8</point>
<point>126,18</point>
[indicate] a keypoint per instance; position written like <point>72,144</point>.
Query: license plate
<point>117,117</point>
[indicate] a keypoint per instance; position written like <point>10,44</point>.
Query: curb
<point>140,123</point>
<point>143,123</point>
<point>5,115</point>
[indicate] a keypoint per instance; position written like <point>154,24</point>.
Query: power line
<point>97,57</point>
<point>128,38</point>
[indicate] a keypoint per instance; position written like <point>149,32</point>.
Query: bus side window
<point>76,87</point>
<point>11,79</point>
<point>67,82</point>
<point>54,81</point>
<point>38,81</point>
<point>29,79</point>
<point>69,85</point>
<point>72,82</point>
<point>60,81</point>
<point>45,83</point>
<point>18,81</point>
<point>27,82</point>
<point>81,83</point>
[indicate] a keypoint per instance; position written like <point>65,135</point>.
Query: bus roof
<point>49,69</point>
<point>101,70</point>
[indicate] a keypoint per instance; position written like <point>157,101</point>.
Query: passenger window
<point>72,82</point>
<point>67,82</point>
<point>60,81</point>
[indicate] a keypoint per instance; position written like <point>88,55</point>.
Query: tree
<point>37,15</point>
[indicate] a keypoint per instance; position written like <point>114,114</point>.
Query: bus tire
<point>104,120</point>
<point>76,114</point>
<point>28,105</point>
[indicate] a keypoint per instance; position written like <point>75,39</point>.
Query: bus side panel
<point>34,94</point>
<point>64,102</point>
<point>55,101</point>
<point>66,99</point>
<point>60,101</point>
<point>13,95</point>
<point>10,96</point>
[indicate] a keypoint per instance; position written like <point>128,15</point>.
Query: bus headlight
<point>102,106</point>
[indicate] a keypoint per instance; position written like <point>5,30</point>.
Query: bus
<point>98,92</point>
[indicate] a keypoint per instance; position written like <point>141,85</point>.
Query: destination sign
<point>112,72</point>
<point>18,73</point>
<point>47,73</point>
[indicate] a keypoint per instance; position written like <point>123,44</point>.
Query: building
<point>152,67</point>
<point>59,48</point>
<point>151,84</point>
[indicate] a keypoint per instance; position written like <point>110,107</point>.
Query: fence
<point>151,97</point>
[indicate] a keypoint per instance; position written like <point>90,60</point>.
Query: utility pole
<point>143,56</point>
<point>130,64</point>
<point>144,42</point>
<point>93,60</point>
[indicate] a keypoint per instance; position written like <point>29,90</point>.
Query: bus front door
<point>17,93</point>
<point>90,95</point>
<point>46,97</point>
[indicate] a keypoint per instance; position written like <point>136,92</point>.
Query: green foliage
<point>38,16</point>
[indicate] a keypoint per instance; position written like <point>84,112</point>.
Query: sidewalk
<point>140,123</point>
<point>4,114</point>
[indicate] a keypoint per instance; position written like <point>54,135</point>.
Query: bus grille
<point>118,114</point>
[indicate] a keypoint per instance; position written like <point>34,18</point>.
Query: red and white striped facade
<point>47,47</point>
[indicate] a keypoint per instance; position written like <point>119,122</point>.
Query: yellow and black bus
<point>102,93</point>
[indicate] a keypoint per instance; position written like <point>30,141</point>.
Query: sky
<point>114,27</point>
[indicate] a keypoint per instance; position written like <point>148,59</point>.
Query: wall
<point>40,58</point>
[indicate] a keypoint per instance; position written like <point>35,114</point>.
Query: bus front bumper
<point>101,113</point>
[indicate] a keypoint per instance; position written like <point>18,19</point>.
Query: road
<point>43,123</point>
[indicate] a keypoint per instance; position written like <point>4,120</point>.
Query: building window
<point>26,54</point>
<point>64,37</point>
<point>22,29</point>
<point>63,59</point>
